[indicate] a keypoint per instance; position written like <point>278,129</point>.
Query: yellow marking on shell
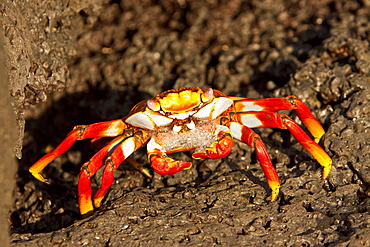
<point>180,101</point>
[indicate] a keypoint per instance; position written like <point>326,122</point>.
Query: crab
<point>203,120</point>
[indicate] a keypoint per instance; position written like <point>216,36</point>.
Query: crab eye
<point>207,95</point>
<point>153,105</point>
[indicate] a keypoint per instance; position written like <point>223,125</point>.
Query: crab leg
<point>248,136</point>
<point>88,170</point>
<point>161,163</point>
<point>282,121</point>
<point>114,154</point>
<point>220,148</point>
<point>283,103</point>
<point>79,132</point>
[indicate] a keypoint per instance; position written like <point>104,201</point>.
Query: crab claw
<point>167,165</point>
<point>218,149</point>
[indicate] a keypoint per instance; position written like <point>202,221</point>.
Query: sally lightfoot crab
<point>203,120</point>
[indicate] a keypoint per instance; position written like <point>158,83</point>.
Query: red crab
<point>188,118</point>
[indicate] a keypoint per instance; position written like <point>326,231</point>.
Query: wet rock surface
<point>119,53</point>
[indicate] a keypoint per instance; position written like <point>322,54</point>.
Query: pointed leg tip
<point>275,190</point>
<point>39,177</point>
<point>326,171</point>
<point>86,210</point>
<point>85,203</point>
<point>147,173</point>
<point>274,195</point>
<point>317,137</point>
<point>97,202</point>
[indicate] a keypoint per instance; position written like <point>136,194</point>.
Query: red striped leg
<point>283,103</point>
<point>220,148</point>
<point>87,171</point>
<point>120,153</point>
<point>249,137</point>
<point>161,163</point>
<point>282,121</point>
<point>79,132</point>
